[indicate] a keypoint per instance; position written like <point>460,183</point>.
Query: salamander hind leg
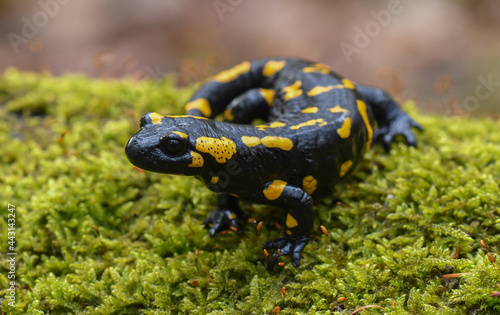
<point>250,105</point>
<point>228,216</point>
<point>218,91</point>
<point>392,120</point>
<point>299,221</point>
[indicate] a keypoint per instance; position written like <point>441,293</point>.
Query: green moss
<point>395,224</point>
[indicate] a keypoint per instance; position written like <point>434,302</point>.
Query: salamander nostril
<point>145,120</point>
<point>133,149</point>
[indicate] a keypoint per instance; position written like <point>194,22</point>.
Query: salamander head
<point>166,144</point>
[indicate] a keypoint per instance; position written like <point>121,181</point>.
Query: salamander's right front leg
<point>299,221</point>
<point>227,216</point>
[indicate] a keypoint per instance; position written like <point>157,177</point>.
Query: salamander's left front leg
<point>299,221</point>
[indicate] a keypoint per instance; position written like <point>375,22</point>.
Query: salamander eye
<point>174,144</point>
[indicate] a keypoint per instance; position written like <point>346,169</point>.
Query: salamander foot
<point>399,126</point>
<point>223,220</point>
<point>286,246</point>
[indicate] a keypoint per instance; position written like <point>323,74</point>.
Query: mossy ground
<point>400,223</point>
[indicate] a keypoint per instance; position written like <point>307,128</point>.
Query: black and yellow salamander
<point>319,126</point>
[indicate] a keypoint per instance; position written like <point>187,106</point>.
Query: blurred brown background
<point>444,54</point>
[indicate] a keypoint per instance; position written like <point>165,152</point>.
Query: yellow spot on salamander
<point>250,141</point>
<point>348,84</point>
<point>288,232</point>
<point>291,222</point>
<point>180,134</point>
<point>231,74</point>
<point>156,118</point>
<point>197,160</point>
<point>317,67</point>
<point>185,116</point>
<point>364,114</point>
<point>214,180</point>
<point>268,141</point>
<point>313,122</point>
<point>309,184</point>
<point>292,90</point>
<point>277,142</point>
<point>272,67</point>
<point>310,110</point>
<point>345,131</point>
<point>200,104</point>
<point>338,109</point>
<point>268,95</point>
<point>233,216</point>
<point>221,149</point>
<point>228,114</point>
<point>274,190</point>
<point>275,124</point>
<point>323,89</point>
<point>345,168</point>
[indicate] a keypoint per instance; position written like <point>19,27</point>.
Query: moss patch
<point>95,235</point>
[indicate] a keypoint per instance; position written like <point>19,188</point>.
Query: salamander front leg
<point>227,216</point>
<point>299,221</point>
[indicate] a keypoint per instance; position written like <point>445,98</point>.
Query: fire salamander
<point>319,126</point>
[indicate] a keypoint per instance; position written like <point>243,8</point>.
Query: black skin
<point>320,149</point>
